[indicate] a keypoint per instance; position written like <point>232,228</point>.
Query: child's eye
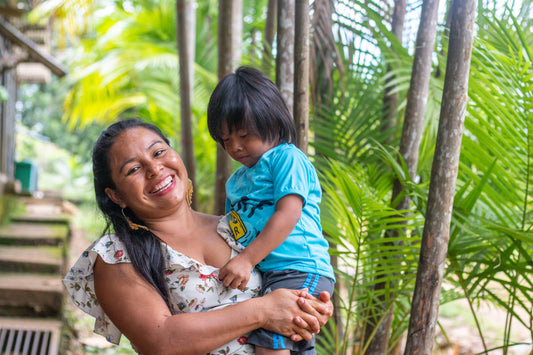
<point>243,135</point>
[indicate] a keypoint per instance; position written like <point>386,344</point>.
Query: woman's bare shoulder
<point>121,272</point>
<point>208,220</point>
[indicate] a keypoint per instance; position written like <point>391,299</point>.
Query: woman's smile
<point>149,175</point>
<point>164,186</point>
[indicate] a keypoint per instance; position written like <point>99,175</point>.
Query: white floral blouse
<point>194,287</point>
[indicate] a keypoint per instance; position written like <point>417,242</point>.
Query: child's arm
<point>236,272</point>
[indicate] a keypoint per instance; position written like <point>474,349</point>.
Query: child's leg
<point>265,341</point>
<point>259,350</point>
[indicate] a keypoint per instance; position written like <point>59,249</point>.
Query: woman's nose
<point>153,169</point>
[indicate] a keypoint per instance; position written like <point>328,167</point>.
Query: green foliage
<point>491,240</point>
<point>9,206</point>
<point>89,219</point>
<point>57,169</point>
<point>127,67</point>
<point>39,109</point>
<point>3,93</point>
<point>356,215</point>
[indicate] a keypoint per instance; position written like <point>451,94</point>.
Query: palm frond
<point>492,241</point>
<point>356,214</point>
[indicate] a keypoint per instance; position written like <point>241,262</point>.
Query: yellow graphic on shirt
<point>236,225</point>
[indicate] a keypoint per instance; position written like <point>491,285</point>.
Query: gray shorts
<point>294,280</point>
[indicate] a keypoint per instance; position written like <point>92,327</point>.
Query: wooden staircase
<point>32,265</point>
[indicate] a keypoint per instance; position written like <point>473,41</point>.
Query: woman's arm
<point>140,313</point>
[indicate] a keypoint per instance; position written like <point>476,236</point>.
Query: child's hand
<point>236,272</point>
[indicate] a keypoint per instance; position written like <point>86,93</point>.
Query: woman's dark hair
<point>248,99</point>
<point>143,247</point>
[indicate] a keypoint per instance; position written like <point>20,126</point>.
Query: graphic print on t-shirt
<point>247,208</point>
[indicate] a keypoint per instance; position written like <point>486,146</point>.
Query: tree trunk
<point>270,31</point>
<point>390,98</point>
<point>416,107</point>
<point>301,74</point>
<point>379,342</point>
<point>323,56</point>
<point>285,52</point>
<point>185,34</point>
<point>418,93</point>
<point>434,246</point>
<point>225,66</point>
<point>236,34</point>
<point>409,143</point>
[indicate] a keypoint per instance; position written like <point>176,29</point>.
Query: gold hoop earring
<point>188,197</point>
<point>133,226</point>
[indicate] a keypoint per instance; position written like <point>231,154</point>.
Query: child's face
<point>244,146</point>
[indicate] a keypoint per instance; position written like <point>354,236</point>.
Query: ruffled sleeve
<point>225,232</point>
<point>193,287</point>
<point>79,282</point>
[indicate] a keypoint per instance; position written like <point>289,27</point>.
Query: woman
<point>155,277</point>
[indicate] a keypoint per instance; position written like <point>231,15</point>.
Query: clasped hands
<point>312,314</point>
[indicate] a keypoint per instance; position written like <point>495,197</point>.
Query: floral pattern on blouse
<point>194,287</point>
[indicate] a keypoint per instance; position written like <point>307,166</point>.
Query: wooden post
<point>7,123</point>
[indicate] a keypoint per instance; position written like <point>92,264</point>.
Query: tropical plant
<point>491,241</point>
<point>356,216</point>
<point>489,257</point>
<point>129,67</point>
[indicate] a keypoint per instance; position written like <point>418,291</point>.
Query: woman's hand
<point>321,309</point>
<point>306,314</point>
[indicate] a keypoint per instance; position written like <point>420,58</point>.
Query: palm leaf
<point>355,216</point>
<point>491,242</point>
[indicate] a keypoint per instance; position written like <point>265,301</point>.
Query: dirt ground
<point>464,338</point>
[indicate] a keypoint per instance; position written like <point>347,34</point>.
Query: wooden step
<point>42,218</point>
<point>34,233</point>
<point>29,294</point>
<point>37,259</point>
<point>29,336</point>
<point>45,210</point>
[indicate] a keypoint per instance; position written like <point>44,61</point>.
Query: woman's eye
<point>159,152</point>
<point>132,170</point>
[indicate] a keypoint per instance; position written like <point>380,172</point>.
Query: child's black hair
<point>248,99</point>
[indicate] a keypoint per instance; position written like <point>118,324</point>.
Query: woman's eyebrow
<point>154,143</point>
<point>132,159</point>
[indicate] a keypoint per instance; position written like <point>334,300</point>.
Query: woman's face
<point>149,175</point>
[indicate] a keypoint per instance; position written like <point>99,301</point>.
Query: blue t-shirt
<point>252,195</point>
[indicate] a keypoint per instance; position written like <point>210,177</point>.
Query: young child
<point>273,198</point>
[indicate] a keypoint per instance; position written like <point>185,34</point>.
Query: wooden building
<point>24,58</point>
